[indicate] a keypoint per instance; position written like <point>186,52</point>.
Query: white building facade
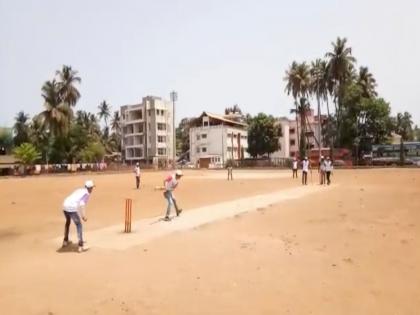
<point>147,131</point>
<point>214,140</point>
<point>288,142</point>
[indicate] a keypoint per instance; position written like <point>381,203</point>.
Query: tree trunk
<point>297,124</point>
<point>319,128</point>
<point>330,137</point>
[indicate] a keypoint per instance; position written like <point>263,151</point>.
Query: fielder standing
<point>328,169</point>
<point>137,173</point>
<point>295,167</point>
<point>170,184</point>
<point>305,169</point>
<point>74,209</point>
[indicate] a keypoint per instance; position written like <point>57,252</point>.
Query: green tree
<point>6,138</point>
<point>367,82</point>
<point>116,122</point>
<point>341,67</point>
<point>27,154</point>
<point>302,108</point>
<point>263,135</point>
<point>104,112</point>
<point>21,128</point>
<point>403,127</point>
<point>66,85</point>
<point>57,114</point>
<point>94,152</point>
<point>183,135</point>
<point>298,79</point>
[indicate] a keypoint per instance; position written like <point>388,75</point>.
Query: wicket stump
<point>128,206</point>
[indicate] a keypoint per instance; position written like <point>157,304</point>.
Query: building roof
<point>222,118</point>
<point>7,161</point>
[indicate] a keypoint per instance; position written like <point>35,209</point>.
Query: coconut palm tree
<point>298,84</point>
<point>116,122</point>
<point>300,110</point>
<point>67,79</point>
<point>367,82</point>
<point>57,114</point>
<point>104,112</point>
<point>21,128</point>
<point>341,71</point>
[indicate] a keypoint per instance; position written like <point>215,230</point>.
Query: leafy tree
<point>27,154</point>
<point>116,122</point>
<point>367,82</point>
<point>302,108</point>
<point>21,128</point>
<point>104,112</point>
<point>94,152</point>
<point>183,135</point>
<point>263,135</point>
<point>57,114</point>
<point>67,91</point>
<point>6,139</point>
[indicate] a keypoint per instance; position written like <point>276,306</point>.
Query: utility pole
<point>174,98</point>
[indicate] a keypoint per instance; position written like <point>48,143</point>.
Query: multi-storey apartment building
<point>214,139</point>
<point>147,131</point>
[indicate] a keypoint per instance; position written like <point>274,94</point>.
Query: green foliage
<point>26,153</point>
<point>183,135</point>
<point>21,128</point>
<point>94,152</point>
<point>6,138</point>
<point>263,135</point>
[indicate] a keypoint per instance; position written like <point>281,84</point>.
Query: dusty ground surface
<point>348,249</point>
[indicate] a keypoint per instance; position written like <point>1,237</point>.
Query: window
<point>292,131</point>
<point>198,137</point>
<point>198,150</point>
<point>204,149</point>
<point>161,151</point>
<point>148,126</point>
<point>161,126</point>
<point>161,139</point>
<point>292,142</point>
<point>203,136</point>
<point>206,124</point>
<point>149,112</point>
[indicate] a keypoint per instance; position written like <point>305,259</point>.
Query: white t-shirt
<point>78,199</point>
<point>137,171</point>
<point>295,165</point>
<point>170,182</point>
<point>328,166</point>
<point>305,165</point>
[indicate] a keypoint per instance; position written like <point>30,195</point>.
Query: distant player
<point>295,167</point>
<point>230,172</point>
<point>306,165</point>
<point>321,171</point>
<point>170,184</point>
<point>74,209</point>
<point>137,174</point>
<point>328,169</point>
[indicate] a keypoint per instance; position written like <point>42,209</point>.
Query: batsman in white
<point>74,209</point>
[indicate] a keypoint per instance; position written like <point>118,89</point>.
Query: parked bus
<point>388,154</point>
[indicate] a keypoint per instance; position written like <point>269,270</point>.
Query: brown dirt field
<point>352,249</point>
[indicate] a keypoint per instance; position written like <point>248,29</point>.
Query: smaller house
<point>7,164</point>
<point>215,139</point>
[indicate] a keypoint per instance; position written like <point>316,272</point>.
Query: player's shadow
<point>70,248</point>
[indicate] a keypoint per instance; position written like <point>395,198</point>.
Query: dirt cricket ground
<point>261,244</point>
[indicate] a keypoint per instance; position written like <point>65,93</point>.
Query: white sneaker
<point>83,249</point>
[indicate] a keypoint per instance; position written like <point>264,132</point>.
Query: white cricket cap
<point>89,184</point>
<point>178,173</point>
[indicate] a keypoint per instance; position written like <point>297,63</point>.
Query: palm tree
<point>67,78</point>
<point>341,71</point>
<point>300,110</point>
<point>298,84</point>
<point>104,111</point>
<point>116,122</point>
<point>21,128</point>
<point>57,114</point>
<point>367,82</point>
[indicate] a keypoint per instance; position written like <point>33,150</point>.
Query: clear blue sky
<point>214,53</point>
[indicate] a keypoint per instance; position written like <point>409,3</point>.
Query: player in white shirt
<point>328,169</point>
<point>137,173</point>
<point>170,183</point>
<point>295,167</point>
<point>306,165</point>
<point>74,209</point>
<point>321,171</point>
